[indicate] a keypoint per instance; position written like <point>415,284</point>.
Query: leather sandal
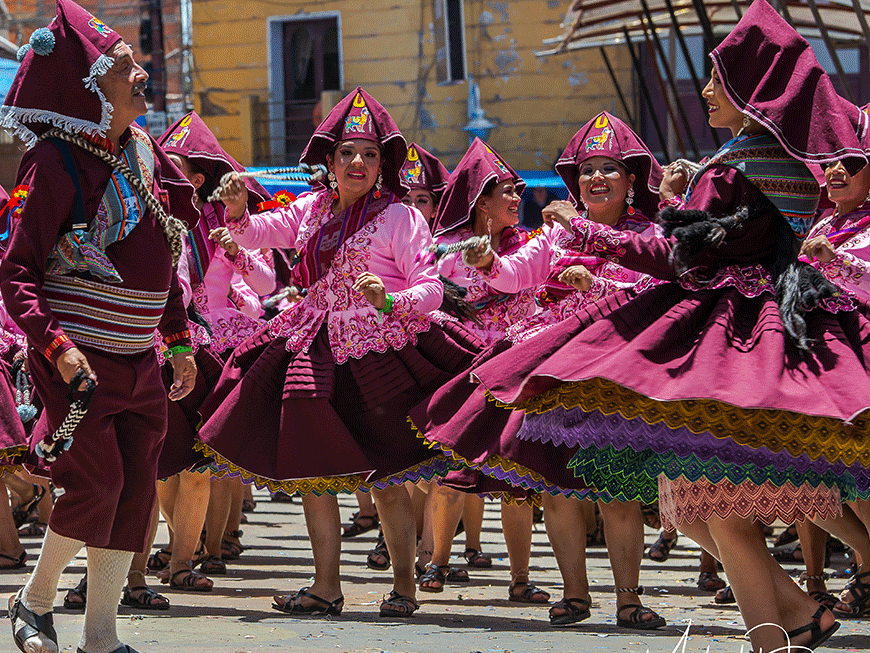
<point>360,524</point>
<point>859,606</point>
<point>22,511</point>
<point>575,610</point>
<point>145,600</point>
<point>724,596</point>
<point>478,559</point>
<point>80,591</point>
<point>528,594</point>
<point>825,598</point>
<point>709,581</point>
<point>379,550</point>
<point>33,529</point>
<point>123,648</point>
<point>231,550</point>
<point>189,582</point>
<point>434,574</point>
<point>635,618</point>
<point>321,606</point>
<point>397,605</point>
<point>17,562</point>
<point>30,624</point>
<point>662,546</point>
<point>818,637</point>
<point>213,565</point>
<point>159,560</point>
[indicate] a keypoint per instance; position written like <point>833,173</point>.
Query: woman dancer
<point>613,177</point>
<point>702,383</point>
<point>330,380</point>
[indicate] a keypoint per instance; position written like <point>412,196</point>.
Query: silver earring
<point>378,185</point>
<point>333,185</point>
<point>629,200</point>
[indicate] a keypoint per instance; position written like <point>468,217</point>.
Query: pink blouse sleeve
<point>528,267</point>
<point>277,228</point>
<point>254,269</point>
<point>410,236</point>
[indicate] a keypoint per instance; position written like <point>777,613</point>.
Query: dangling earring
<point>333,185</point>
<point>746,123</point>
<point>378,185</point>
<point>629,200</point>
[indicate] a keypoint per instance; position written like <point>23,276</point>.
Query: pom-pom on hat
<point>478,167</point>
<point>607,135</point>
<point>423,171</point>
<point>191,138</point>
<point>56,84</point>
<point>357,116</point>
<point>770,73</point>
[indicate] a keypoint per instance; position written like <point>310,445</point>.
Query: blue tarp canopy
<point>8,68</point>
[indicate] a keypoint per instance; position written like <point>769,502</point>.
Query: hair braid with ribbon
<point>173,228</point>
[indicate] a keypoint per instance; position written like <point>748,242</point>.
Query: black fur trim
<point>695,232</point>
<point>798,291</point>
<point>454,302</point>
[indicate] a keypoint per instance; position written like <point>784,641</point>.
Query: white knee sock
<point>107,571</point>
<point>57,552</point>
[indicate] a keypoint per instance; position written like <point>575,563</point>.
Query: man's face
<point>124,86</point>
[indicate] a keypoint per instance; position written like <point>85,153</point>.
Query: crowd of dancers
<point>685,345</point>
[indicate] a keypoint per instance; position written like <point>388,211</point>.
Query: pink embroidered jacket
<point>506,294</point>
<point>387,246</point>
<point>850,268</point>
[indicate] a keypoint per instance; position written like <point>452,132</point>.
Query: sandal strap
<point>32,624</point>
<point>636,614</point>
<point>408,605</point>
<point>569,605</point>
<point>436,573</point>
<point>812,626</point>
<point>527,593</point>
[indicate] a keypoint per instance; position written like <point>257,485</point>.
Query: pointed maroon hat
<point>770,73</point>
<point>359,115</point>
<point>191,138</point>
<point>56,84</point>
<point>607,135</point>
<point>423,171</point>
<point>478,167</point>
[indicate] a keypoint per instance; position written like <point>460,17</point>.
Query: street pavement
<point>236,616</point>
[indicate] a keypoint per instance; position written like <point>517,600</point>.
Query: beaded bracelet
<point>181,349</point>
<point>388,306</point>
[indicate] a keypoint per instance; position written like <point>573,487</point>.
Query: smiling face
<point>847,191</point>
<point>501,206</point>
<point>720,110</point>
<point>423,201</point>
<point>356,164</point>
<point>124,87</point>
<point>604,184</point>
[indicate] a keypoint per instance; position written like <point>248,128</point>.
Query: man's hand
<point>183,375</point>
<point>70,362</point>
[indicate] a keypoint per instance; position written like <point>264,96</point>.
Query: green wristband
<point>388,306</point>
<point>181,349</point>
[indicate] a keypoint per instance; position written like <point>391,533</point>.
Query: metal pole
<point>646,96</point>
<point>831,50</point>
<point>862,20</point>
<point>158,64</point>
<point>673,120</point>
<point>691,66</point>
<point>671,81</point>
<point>704,19</point>
<point>628,116</point>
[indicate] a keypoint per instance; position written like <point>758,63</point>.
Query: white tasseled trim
<point>13,119</point>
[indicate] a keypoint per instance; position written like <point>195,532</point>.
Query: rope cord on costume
<point>688,168</point>
<point>303,172</point>
<point>439,250</point>
<point>62,439</point>
<point>173,229</point>
<point>25,408</point>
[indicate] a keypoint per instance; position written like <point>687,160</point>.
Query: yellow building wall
<point>388,48</point>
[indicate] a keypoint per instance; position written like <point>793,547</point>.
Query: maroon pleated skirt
<point>299,422</point>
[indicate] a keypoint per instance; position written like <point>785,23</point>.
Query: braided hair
<point>173,228</point>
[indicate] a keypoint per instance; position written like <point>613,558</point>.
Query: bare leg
<point>400,533</point>
<point>563,518</point>
<point>10,545</point>
<point>516,525</point>
<point>189,517</point>
<point>765,593</point>
<point>623,530</point>
<point>426,545</point>
<point>220,500</point>
<point>813,540</point>
<point>137,585</point>
<point>324,532</point>
<point>472,518</point>
<point>446,510</point>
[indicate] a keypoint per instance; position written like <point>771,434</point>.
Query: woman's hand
<point>577,276</point>
<point>183,375</point>
<point>70,362</point>
<point>481,256</point>
<point>674,181</point>
<point>561,211</point>
<point>222,237</point>
<point>371,286</point>
<point>818,248</point>
<point>234,195</point>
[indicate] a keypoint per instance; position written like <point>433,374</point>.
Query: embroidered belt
<point>118,320</point>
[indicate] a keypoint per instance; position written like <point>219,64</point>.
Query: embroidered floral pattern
<point>239,226</point>
<point>241,262</point>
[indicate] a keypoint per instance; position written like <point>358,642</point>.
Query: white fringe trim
<point>13,119</point>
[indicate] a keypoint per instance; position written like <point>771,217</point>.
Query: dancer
<point>81,241</point>
<point>317,401</point>
<point>604,164</point>
<point>701,384</point>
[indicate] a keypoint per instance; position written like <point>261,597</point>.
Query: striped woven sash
<point>117,320</point>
